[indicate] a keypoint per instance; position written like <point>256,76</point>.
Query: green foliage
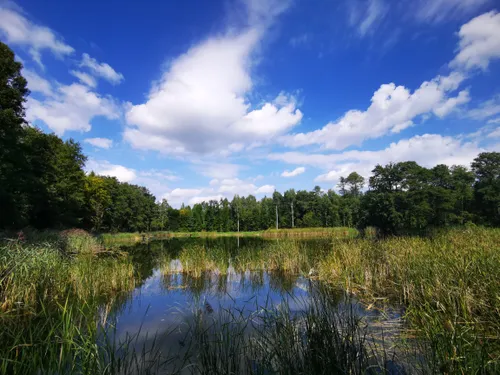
<point>13,164</point>
<point>43,185</point>
<point>486,168</point>
<point>405,197</point>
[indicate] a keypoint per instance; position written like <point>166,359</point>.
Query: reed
<point>49,298</point>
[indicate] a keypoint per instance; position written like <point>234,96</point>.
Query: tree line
<point>42,181</point>
<point>43,185</point>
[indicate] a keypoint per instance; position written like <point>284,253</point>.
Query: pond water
<point>165,303</point>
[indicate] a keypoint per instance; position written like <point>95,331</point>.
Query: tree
<point>355,183</point>
<point>13,167</point>
<point>486,168</point>
<point>161,218</point>
<point>98,199</point>
<point>462,181</point>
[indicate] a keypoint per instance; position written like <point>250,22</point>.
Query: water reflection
<point>168,300</point>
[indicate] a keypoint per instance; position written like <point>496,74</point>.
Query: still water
<point>166,301</point>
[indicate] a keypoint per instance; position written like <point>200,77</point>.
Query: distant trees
<point>406,196</point>
<point>42,184</point>
<point>486,168</point>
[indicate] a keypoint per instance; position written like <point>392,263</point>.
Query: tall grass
<point>448,284</point>
<point>49,297</point>
<point>319,339</point>
<point>52,290</point>
<point>288,256</point>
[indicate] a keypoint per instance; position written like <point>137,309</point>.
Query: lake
<point>176,293</point>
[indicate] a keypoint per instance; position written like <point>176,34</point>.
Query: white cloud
<point>105,168</point>
<point>216,170</point>
<point>37,83</point>
<point>495,133</point>
<point>393,108</point>
<point>71,107</point>
<point>265,189</point>
<point>102,70</point>
<point>452,103</point>
<point>99,142</point>
<point>486,109</point>
<point>207,198</point>
<point>366,15</point>
<point>178,196</point>
<point>85,78</point>
<point>200,103</point>
<point>440,10</point>
<point>479,42</point>
<point>428,150</point>
<point>16,29</point>
<point>217,189</point>
<point>156,181</point>
<point>293,173</point>
<point>494,121</point>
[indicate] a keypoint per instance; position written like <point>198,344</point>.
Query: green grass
<point>50,289</point>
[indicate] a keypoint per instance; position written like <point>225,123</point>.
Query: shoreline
<point>337,232</point>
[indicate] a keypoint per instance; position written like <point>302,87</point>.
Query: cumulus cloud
<point>479,42</point>
<point>105,168</point>
<point>37,83</point>
<point>16,29</point>
<point>200,103</point>
<point>99,142</point>
<point>67,107</point>
<point>217,189</point>
<point>293,173</point>
<point>157,181</point>
<point>427,150</point>
<point>102,70</point>
<point>393,108</point>
<point>265,189</point>
<point>436,11</point>
<point>85,78</point>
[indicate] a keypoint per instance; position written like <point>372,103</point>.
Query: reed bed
<point>447,282</point>
<point>319,339</point>
<point>49,297</point>
<point>53,292</point>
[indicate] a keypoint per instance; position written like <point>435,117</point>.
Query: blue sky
<point>206,99</point>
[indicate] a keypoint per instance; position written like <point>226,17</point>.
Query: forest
<point>43,185</point>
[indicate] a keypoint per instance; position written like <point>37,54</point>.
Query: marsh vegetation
<point>251,306</point>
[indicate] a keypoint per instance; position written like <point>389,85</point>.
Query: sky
<point>200,100</point>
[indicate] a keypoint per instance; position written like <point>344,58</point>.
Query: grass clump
<point>50,294</point>
<point>446,282</point>
<point>318,339</point>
